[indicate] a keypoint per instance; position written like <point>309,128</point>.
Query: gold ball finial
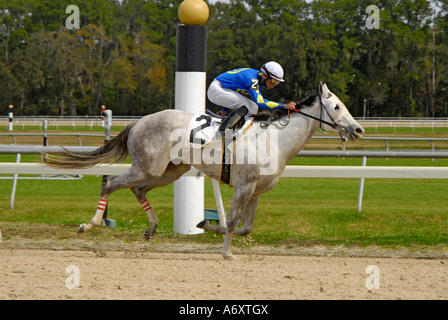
<point>193,12</point>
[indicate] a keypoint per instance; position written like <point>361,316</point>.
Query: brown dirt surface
<point>32,270</point>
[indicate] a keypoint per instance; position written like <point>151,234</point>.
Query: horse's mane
<point>308,101</point>
<point>264,115</point>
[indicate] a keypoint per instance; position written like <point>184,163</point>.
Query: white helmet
<point>274,70</point>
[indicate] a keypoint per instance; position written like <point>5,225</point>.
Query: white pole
<point>188,205</point>
<point>14,185</point>
<point>45,143</point>
<point>190,96</point>
<point>11,116</point>
<point>107,115</point>
<point>219,204</point>
<point>189,191</point>
<point>361,186</point>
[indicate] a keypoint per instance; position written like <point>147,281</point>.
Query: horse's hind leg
<point>140,193</point>
<point>128,179</point>
<point>172,173</point>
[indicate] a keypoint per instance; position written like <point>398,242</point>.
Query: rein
<point>273,118</point>
<point>333,125</point>
<point>322,106</point>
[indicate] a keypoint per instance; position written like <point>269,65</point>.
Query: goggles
<point>275,82</point>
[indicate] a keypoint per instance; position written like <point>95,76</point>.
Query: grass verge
<point>297,212</point>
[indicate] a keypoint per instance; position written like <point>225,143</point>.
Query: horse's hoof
<point>228,256</point>
<point>202,224</point>
<point>146,235</point>
<point>150,232</point>
<point>82,228</point>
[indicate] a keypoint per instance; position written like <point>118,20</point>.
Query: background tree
<point>123,55</point>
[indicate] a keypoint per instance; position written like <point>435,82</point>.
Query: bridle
<point>323,108</point>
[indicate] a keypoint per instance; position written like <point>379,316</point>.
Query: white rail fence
<point>361,172</point>
<point>372,172</point>
<point>388,153</point>
<point>91,121</point>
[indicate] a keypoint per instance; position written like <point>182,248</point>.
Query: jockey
<point>239,90</point>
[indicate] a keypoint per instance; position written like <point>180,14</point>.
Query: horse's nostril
<point>359,130</point>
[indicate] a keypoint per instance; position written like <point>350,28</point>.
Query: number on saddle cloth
<point>204,121</point>
<point>203,128</point>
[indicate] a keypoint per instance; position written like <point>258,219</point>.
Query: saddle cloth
<point>203,128</point>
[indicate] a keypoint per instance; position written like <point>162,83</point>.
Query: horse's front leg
<point>241,197</point>
<point>248,217</point>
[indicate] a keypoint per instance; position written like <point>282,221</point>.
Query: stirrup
<point>232,119</point>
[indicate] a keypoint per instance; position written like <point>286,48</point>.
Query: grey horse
<point>257,161</point>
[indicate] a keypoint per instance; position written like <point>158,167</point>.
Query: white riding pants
<point>229,99</point>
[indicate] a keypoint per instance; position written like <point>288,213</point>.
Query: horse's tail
<point>114,150</point>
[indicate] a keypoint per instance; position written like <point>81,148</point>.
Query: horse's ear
<point>321,87</point>
<point>329,94</point>
<point>324,91</point>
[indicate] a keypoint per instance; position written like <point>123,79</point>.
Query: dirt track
<point>173,272</point>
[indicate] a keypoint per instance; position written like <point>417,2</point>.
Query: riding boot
<point>232,119</point>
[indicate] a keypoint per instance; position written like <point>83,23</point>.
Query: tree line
<point>123,54</point>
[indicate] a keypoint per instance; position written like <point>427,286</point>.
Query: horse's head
<point>336,112</point>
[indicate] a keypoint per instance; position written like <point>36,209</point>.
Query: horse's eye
<point>337,108</point>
